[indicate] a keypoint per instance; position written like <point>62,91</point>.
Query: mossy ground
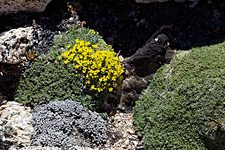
<point>184,102</point>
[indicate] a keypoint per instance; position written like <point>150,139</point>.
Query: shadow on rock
<point>9,79</point>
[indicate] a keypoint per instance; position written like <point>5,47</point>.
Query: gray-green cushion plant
<point>183,107</point>
<point>49,79</point>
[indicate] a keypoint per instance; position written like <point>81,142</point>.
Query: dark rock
<point>213,136</point>
<point>140,67</point>
<point>151,56</point>
<point>132,87</point>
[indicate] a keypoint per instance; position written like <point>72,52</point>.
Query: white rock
<point>16,43</point>
<point>15,124</point>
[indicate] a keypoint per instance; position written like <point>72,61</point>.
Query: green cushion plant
<point>49,79</point>
<point>183,107</point>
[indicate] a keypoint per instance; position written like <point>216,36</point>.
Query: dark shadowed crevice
<point>127,25</point>
<point>55,12</point>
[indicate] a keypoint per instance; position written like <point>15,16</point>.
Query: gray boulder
<point>67,124</point>
<point>12,6</point>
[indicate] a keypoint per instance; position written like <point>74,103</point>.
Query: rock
<point>132,87</point>
<point>214,135</point>
<point>12,6</point>
<point>194,2</point>
<point>150,57</point>
<point>35,148</point>
<point>67,124</point>
<point>2,98</point>
<point>15,125</point>
<point>22,44</point>
<point>140,67</point>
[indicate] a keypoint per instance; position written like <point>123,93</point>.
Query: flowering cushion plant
<point>99,66</point>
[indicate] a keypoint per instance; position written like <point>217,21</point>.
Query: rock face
<point>22,44</point>
<point>67,124</point>
<point>15,126</point>
<point>2,98</point>
<point>11,6</point>
<point>151,1</point>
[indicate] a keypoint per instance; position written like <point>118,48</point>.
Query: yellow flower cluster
<point>101,68</point>
<point>91,31</point>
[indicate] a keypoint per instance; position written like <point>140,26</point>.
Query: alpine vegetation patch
<point>67,124</point>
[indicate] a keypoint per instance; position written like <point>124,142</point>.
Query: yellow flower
<point>101,68</point>
<point>94,46</point>
<point>68,46</point>
<point>88,82</point>
<point>92,87</point>
<point>110,89</point>
<point>66,61</point>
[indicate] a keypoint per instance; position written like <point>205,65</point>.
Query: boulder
<point>140,67</point>
<point>16,128</point>
<point>149,58</point>
<point>12,6</point>
<point>22,44</point>
<point>15,125</point>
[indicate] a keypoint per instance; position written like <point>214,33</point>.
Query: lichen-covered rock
<point>15,125</point>
<point>67,124</point>
<point>22,44</point>
<point>11,6</point>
